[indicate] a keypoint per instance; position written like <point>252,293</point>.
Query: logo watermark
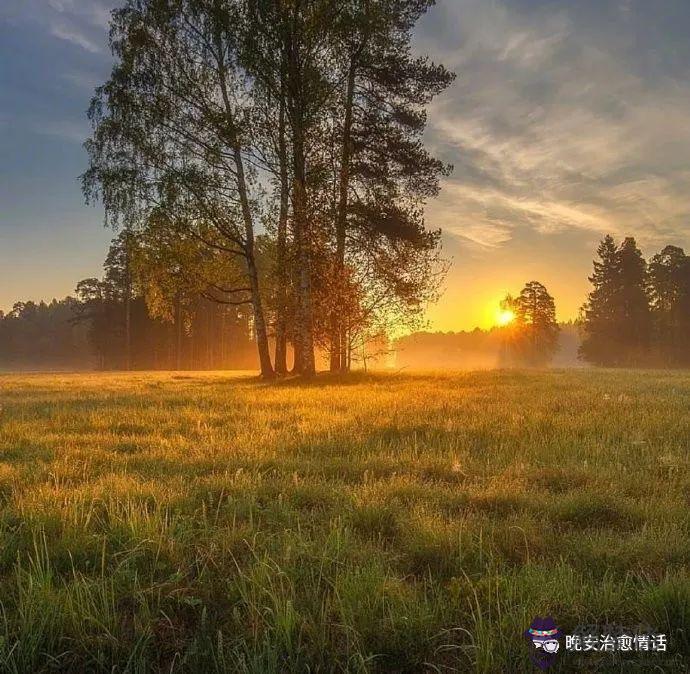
<point>545,638</point>
<point>544,635</point>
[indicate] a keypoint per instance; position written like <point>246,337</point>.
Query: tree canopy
<point>225,122</point>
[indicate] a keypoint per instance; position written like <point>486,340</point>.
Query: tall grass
<point>207,522</point>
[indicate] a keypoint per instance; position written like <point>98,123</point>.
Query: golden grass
<point>208,522</point>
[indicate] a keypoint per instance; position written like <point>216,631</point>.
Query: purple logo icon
<point>543,634</point>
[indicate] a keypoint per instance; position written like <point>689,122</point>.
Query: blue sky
<point>568,120</point>
<point>52,54</point>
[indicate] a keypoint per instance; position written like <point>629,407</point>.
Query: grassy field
<point>205,522</point>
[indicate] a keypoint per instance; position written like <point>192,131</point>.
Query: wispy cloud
<point>561,118</point>
<point>83,23</point>
<point>73,35</point>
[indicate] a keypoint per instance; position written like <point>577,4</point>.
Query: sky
<point>567,121</point>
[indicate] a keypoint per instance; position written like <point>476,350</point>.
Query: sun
<point>504,317</point>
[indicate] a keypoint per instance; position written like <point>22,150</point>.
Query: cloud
<point>91,11</point>
<point>561,118</point>
<point>73,35</point>
<point>83,23</point>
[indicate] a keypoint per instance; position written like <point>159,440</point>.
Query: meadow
<point>207,522</point>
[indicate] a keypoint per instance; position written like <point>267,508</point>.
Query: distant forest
<point>112,324</point>
<point>477,349</point>
<point>73,334</point>
<point>637,314</point>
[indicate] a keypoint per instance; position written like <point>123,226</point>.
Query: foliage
<point>220,118</point>
<point>144,314</point>
<point>532,337</point>
<point>669,290</point>
<point>44,336</point>
<point>637,314</point>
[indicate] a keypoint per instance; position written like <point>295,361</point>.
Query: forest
<point>637,314</point>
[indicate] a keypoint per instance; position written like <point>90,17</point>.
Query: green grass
<point>205,522</point>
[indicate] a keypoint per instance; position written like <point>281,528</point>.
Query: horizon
<point>564,124</point>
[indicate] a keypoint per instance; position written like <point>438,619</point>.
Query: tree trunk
<point>259,322</point>
<point>304,332</point>
<point>128,330</point>
<point>267,371</point>
<point>281,252</point>
<point>128,303</point>
<point>178,332</point>
<point>297,358</point>
<point>338,356</point>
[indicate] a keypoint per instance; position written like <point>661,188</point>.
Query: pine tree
<point>616,317</point>
<point>669,290</point>
<point>534,332</point>
<point>633,320</point>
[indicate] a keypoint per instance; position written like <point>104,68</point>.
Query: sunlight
<point>504,316</point>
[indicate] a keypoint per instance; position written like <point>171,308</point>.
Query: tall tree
<point>171,130</point>
<point>384,173</point>
<point>354,102</point>
<point>534,331</point>
<point>599,312</point>
<point>669,291</point>
<point>616,316</point>
<point>634,320</point>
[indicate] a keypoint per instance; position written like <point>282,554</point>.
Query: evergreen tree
<point>598,344</point>
<point>669,290</point>
<point>534,331</point>
<point>384,171</point>
<point>633,320</point>
<point>616,316</point>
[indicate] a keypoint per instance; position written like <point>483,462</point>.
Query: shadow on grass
<point>323,379</point>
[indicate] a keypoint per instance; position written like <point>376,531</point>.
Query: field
<point>408,523</point>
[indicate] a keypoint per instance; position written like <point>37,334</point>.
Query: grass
<point>210,523</point>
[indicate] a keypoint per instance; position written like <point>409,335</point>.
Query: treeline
<point>268,155</point>
<point>129,329</point>
<point>109,325</point>
<point>44,336</point>
<point>638,313</point>
<point>477,349</point>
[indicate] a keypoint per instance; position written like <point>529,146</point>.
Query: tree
<point>634,321</point>
<point>669,292</point>
<point>354,112</point>
<point>534,331</point>
<point>599,312</point>
<point>305,118</point>
<point>616,316</point>
<point>172,132</point>
<point>384,173</point>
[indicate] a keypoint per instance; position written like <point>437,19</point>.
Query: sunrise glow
<point>504,317</point>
